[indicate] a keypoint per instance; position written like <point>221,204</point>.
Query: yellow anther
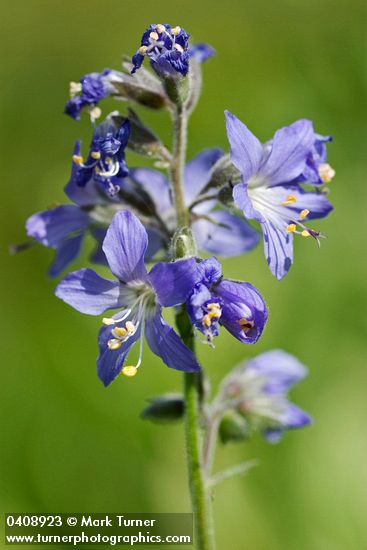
<point>291,227</point>
<point>120,332</point>
<point>75,88</point>
<point>175,31</point>
<point>160,28</point>
<point>143,50</point>
<point>206,320</point>
<point>304,214</point>
<point>95,113</point>
<point>129,371</point>
<point>108,321</point>
<point>291,199</point>
<point>305,233</point>
<point>95,155</point>
<point>154,35</point>
<point>114,344</point>
<point>130,327</point>
<point>246,325</point>
<point>214,305</point>
<point>78,159</point>
<point>326,172</point>
<point>178,47</point>
<point>215,313</point>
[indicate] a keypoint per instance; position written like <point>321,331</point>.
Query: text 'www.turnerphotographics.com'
<point>108,529</point>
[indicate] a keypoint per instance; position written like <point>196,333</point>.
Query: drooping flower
<point>138,295</point>
<point>167,49</point>
<point>257,389</point>
<point>216,231</point>
<point>215,301</point>
<point>269,192</point>
<point>105,164</point>
<point>88,92</point>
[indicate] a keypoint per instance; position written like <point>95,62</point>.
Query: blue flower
<point>216,231</point>
<point>269,192</point>
<point>215,301</point>
<point>140,297</point>
<point>105,164</point>
<point>88,92</point>
<point>167,49</point>
<point>257,389</point>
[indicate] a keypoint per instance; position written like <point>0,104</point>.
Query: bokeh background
<point>68,444</point>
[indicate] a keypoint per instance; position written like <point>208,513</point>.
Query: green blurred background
<point>68,444</point>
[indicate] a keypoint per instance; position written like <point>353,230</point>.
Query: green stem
<point>199,487</point>
<point>178,162</point>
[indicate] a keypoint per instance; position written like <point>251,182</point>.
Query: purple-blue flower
<point>216,231</point>
<point>105,164</point>
<point>167,49</point>
<point>317,170</point>
<point>138,295</point>
<point>258,388</point>
<point>88,92</point>
<point>215,301</point>
<point>269,192</point>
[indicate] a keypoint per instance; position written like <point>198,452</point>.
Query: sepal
<point>143,141</point>
<point>143,87</point>
<point>233,428</point>
<point>183,244</point>
<point>164,409</point>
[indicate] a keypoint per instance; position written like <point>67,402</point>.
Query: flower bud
<point>164,408</point>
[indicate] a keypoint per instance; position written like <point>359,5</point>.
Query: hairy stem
<point>178,162</point>
<point>201,505</point>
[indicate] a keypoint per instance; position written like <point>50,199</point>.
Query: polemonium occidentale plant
<point>167,215</point>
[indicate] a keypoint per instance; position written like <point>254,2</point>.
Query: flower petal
<point>164,342</point>
<point>278,248</point>
<point>156,185</point>
<point>110,362</point>
<point>50,227</point>
<point>86,195</point>
<point>87,292</point>
<point>65,254</point>
<point>226,236</point>
<point>174,281</point>
<point>243,201</point>
<point>246,149</point>
<point>125,245</point>
<point>290,148</point>
<point>281,370</point>
<point>241,303</point>
<point>197,172</point>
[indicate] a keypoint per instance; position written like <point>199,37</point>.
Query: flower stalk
<point>200,498</point>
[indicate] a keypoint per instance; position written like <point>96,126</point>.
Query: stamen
<point>95,113</point>
<point>95,155</point>
<point>246,325</point>
<point>207,320</point>
<point>305,233</point>
<point>326,172</point>
<point>75,88</point>
<point>291,199</point>
<point>175,31</point>
<point>78,159</point>
<point>129,371</point>
<point>304,214</point>
<point>214,305</point>
<point>143,50</point>
<point>160,28</point>
<point>119,332</point>
<point>111,321</point>
<point>114,343</point>
<point>291,227</point>
<point>178,47</point>
<point>154,36</point>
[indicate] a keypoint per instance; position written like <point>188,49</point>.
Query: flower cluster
<point>135,216</point>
